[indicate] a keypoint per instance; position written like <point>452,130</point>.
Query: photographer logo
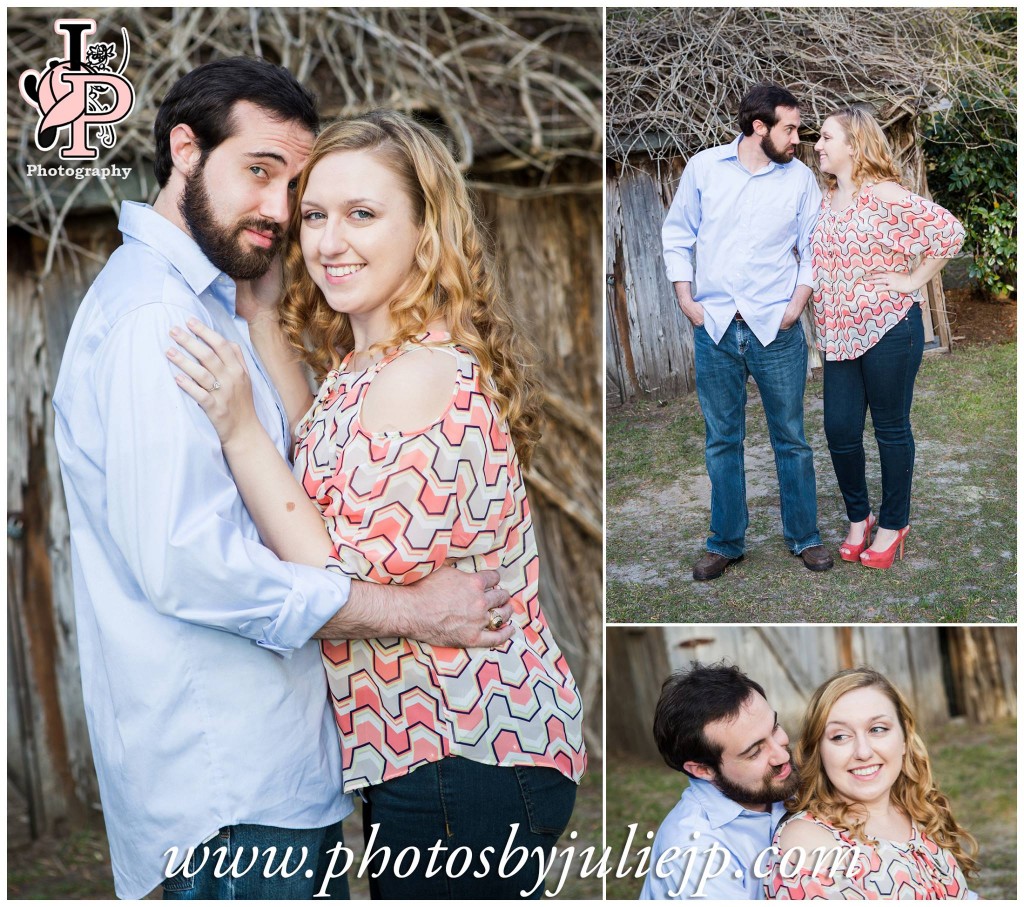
<point>79,92</point>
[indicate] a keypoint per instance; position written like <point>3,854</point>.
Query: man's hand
<point>796,307</point>
<point>448,608</point>
<point>259,298</point>
<point>792,314</point>
<point>693,310</point>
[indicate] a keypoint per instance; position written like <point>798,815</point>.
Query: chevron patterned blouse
<point>871,235</point>
<point>918,870</point>
<point>397,505</point>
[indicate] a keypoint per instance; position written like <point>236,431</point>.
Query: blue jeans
<point>199,881</point>
<point>780,372</point>
<point>882,378</point>
<point>447,827</point>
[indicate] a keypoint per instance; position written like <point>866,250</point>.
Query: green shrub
<point>971,150</point>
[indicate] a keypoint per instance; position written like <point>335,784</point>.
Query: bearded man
<point>737,250</point>
<point>208,711</point>
<point>714,724</point>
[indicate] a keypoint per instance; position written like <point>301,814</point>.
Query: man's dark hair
<point>204,98</point>
<point>760,102</point>
<point>689,702</point>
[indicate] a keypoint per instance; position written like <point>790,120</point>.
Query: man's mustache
<point>262,226</point>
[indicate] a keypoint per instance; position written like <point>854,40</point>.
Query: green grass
<point>974,766</point>
<point>960,561</point>
<point>78,866</point>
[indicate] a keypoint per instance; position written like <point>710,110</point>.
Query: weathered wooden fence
<point>650,344</point>
<point>48,753</point>
<point>945,672</point>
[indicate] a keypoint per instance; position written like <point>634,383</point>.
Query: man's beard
<point>769,792</point>
<point>226,247</point>
<point>774,153</point>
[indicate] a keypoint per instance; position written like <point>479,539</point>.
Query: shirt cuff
<point>678,268</point>
<point>805,275</point>
<point>316,596</point>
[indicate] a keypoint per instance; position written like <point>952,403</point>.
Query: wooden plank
<point>782,643</point>
<point>638,661</point>
<point>620,372</point>
<point>550,250</point>
<point>32,643</point>
<point>660,338</point>
<point>981,656</point>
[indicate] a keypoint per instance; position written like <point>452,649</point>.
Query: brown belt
<point>739,317</point>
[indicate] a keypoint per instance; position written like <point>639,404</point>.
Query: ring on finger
<point>216,385</point>
<point>497,620</point>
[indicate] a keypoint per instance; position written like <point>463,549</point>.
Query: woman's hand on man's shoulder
<point>410,393</point>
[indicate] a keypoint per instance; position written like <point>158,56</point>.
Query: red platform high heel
<point>882,560</point>
<point>850,552</point>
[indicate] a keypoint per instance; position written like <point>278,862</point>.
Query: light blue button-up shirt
<point>750,234</point>
<point>711,848</point>
<point>206,702</point>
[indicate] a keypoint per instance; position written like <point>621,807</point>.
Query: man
<point>745,212</point>
<point>714,724</point>
<point>206,701</point>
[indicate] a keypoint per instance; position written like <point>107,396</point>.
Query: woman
<point>410,455</point>
<point>867,307</point>
<point>867,802</point>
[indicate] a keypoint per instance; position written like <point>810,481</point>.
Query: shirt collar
<point>731,152</point>
<point>721,810</point>
<point>142,223</point>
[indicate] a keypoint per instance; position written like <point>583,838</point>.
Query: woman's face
<point>358,235</point>
<point>863,745</point>
<point>833,150</point>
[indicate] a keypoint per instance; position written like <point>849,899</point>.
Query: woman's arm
<point>900,282</point>
<point>447,608</point>
<point>930,231</point>
<point>288,521</point>
<point>257,302</point>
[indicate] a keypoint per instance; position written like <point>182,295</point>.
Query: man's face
<point>236,202</point>
<point>781,141</point>
<point>755,769</point>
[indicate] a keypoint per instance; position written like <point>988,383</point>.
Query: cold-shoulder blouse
<point>397,505</point>
<point>871,235</point>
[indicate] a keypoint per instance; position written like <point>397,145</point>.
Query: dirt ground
<point>975,317</point>
<point>964,418</point>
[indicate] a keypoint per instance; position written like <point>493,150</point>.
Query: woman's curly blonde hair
<point>914,790</point>
<point>451,279</point>
<point>873,160</point>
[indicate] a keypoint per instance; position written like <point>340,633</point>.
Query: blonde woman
<point>867,308</point>
<point>411,457</point>
<point>867,800</point>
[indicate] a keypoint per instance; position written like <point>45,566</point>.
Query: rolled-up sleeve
<point>810,211</point>
<point>173,509</point>
<point>679,232</point>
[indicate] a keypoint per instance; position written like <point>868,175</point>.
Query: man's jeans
<point>261,879</point>
<point>780,371</point>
